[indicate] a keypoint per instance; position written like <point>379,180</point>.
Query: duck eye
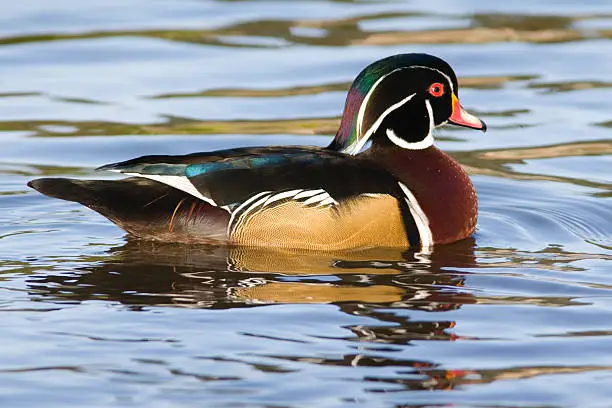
<point>436,89</point>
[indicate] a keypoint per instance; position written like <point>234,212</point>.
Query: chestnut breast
<point>441,186</point>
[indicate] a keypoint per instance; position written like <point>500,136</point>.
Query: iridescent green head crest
<point>399,77</point>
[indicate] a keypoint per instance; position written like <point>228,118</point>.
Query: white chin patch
<point>421,144</point>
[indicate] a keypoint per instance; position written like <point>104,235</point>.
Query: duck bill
<point>461,117</point>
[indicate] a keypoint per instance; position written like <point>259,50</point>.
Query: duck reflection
<point>379,284</point>
<point>412,375</point>
<point>151,274</point>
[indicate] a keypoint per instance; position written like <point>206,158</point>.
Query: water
<point>517,316</point>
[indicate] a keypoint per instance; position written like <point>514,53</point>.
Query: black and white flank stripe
<point>318,198</point>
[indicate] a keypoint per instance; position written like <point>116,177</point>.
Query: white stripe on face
<point>421,144</point>
<point>365,101</point>
<point>448,79</point>
<point>363,139</point>
<point>357,147</point>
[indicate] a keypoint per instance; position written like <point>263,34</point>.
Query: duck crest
<point>348,135</point>
<point>351,136</point>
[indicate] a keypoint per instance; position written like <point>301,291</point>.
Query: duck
<point>380,183</point>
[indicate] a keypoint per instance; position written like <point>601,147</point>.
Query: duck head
<point>399,100</point>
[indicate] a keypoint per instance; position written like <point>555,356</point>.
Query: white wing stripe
<point>179,182</point>
<point>265,198</point>
<point>308,193</point>
<point>327,201</point>
<point>241,206</point>
<point>315,199</point>
<point>280,196</point>
<point>250,200</point>
<point>242,216</point>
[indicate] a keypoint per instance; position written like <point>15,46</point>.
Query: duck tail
<point>144,208</point>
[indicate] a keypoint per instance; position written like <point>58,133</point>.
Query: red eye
<point>436,89</point>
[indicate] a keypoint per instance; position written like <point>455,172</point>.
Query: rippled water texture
<point>520,315</point>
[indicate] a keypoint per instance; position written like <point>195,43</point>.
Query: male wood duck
<point>400,192</point>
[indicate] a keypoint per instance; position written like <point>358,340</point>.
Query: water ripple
<point>92,318</point>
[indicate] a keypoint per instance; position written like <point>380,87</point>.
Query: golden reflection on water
<point>196,276</point>
<point>377,286</point>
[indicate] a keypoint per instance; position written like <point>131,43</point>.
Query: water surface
<point>519,315</point>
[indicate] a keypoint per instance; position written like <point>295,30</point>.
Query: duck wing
<point>229,177</point>
<point>276,196</point>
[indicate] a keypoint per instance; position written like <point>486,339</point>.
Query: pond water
<point>519,315</point>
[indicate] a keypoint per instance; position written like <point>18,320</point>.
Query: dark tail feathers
<point>144,208</point>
